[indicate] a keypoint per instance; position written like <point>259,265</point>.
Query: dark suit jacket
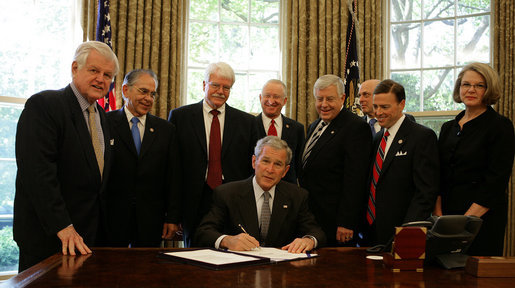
<point>409,181</point>
<point>141,195</point>
<point>58,181</point>
<point>336,173</point>
<point>238,144</point>
<point>293,134</point>
<point>234,203</point>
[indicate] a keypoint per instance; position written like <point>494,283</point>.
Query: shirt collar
<point>84,104</point>
<point>208,108</point>
<point>395,127</point>
<point>278,120</point>
<point>129,115</point>
<point>258,191</point>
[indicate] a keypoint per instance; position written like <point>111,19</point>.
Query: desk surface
<point>336,267</point>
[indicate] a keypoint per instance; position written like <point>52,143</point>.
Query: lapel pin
<point>111,141</point>
<point>332,132</point>
<point>285,206</point>
<point>151,129</point>
<point>287,125</point>
<point>400,141</point>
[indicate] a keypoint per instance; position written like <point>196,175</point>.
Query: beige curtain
<point>370,36</point>
<point>147,34</point>
<point>314,44</point>
<point>504,63</point>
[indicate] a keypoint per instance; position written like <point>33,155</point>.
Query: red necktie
<point>376,171</point>
<point>272,131</point>
<point>214,169</point>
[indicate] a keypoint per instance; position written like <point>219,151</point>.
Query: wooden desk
<point>336,267</point>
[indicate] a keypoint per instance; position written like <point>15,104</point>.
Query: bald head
<point>366,91</point>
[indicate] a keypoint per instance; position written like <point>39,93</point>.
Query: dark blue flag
<point>103,34</point>
<point>351,63</point>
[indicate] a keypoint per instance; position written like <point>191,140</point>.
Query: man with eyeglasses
<point>142,197</point>
<point>215,144</point>
<point>63,156</point>
<point>335,163</point>
<point>272,123</point>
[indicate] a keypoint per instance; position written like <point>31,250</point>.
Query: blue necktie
<point>135,133</point>
<point>372,122</point>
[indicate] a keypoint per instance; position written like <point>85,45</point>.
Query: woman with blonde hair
<point>476,153</point>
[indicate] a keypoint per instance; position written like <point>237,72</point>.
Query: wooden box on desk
<point>408,249</point>
<point>489,266</point>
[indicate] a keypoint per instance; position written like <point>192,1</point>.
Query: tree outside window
<point>429,42</point>
<point>243,33</point>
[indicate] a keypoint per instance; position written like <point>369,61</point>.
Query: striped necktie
<point>94,138</point>
<point>378,165</point>
<point>312,143</point>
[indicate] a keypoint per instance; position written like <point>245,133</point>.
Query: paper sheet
<point>275,254</point>
<point>211,256</point>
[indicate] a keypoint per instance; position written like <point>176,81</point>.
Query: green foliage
<point>8,250</point>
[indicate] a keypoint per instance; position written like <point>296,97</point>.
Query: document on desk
<point>214,259</point>
<point>276,254</point>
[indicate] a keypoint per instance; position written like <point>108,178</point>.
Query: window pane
<point>204,10</point>
<point>438,9</point>
<point>9,115</point>
<point>235,11</point>
<point>8,248</point>
<point>264,56</point>
<point>473,40</point>
<point>435,123</point>
<point>234,48</point>
<point>195,88</point>
<point>473,6</point>
<point>411,83</point>
<point>438,86</point>
<point>202,44</point>
<point>265,11</point>
<point>36,51</point>
<point>438,43</point>
<point>239,95</point>
<point>404,46</point>
<point>405,10</point>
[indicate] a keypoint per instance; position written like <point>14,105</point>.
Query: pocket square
<point>400,153</point>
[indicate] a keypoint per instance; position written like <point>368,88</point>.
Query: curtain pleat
<point>315,44</point>
<point>150,35</point>
<point>504,64</point>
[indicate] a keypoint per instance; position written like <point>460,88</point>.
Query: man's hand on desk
<point>71,240</point>
<point>300,245</point>
<point>169,230</point>
<point>240,242</point>
<point>343,234</point>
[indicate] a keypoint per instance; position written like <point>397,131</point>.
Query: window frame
<point>238,71</point>
<point>429,114</point>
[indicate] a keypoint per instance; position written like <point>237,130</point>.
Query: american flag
<point>351,64</point>
<point>104,35</point>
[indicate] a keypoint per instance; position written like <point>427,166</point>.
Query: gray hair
<point>328,80</point>
<point>82,53</point>
<point>275,81</point>
<point>273,142</point>
<point>132,77</point>
<point>222,69</point>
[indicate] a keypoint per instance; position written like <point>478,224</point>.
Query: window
<point>35,54</point>
<point>243,33</point>
<point>429,42</point>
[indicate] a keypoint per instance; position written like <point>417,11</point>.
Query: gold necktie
<point>94,138</point>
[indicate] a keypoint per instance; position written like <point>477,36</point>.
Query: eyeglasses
<point>479,87</point>
<point>146,92</point>
<point>217,86</point>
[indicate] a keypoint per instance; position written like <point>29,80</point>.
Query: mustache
<point>218,95</point>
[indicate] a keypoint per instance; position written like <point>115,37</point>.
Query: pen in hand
<point>244,231</point>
